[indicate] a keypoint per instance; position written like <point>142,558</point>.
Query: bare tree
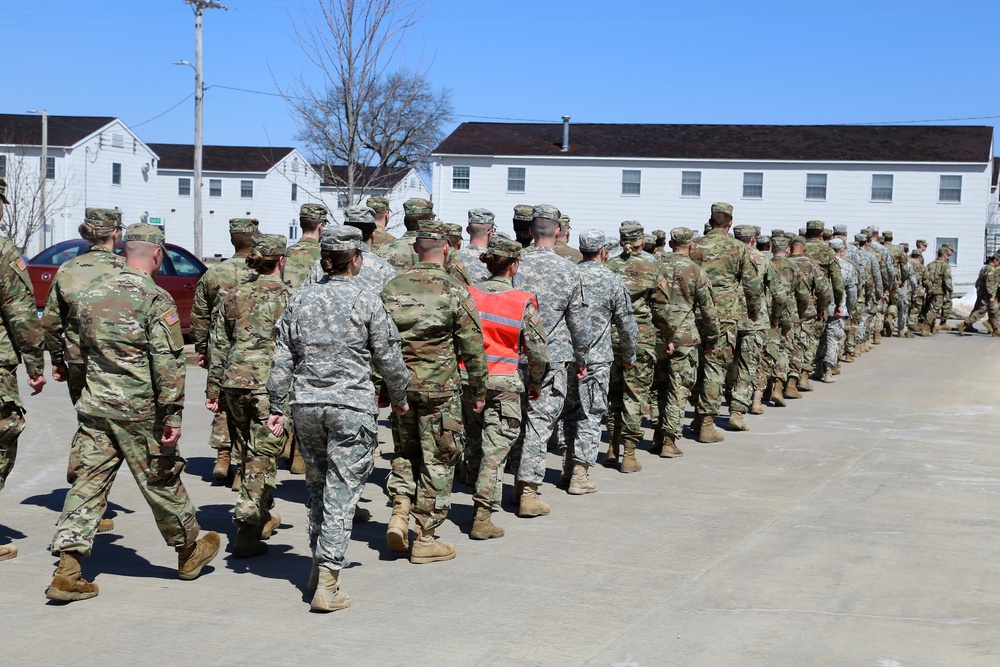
<point>26,214</point>
<point>367,114</point>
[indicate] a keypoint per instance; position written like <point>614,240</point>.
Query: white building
<point>928,182</point>
<point>397,184</point>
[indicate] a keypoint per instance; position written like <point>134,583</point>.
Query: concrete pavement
<point>858,526</point>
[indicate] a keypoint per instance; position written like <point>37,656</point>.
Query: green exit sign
<point>156,221</point>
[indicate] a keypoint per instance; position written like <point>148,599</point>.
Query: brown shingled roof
<point>386,178</point>
<point>26,129</point>
<point>867,143</point>
<point>220,158</point>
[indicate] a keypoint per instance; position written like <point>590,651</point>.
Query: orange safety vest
<point>502,315</point>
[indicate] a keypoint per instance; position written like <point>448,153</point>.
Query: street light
<point>199,94</point>
<point>45,172</point>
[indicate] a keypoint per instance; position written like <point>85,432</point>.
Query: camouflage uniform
<point>827,354</point>
<point>474,268</point>
<point>811,324</point>
<point>374,276</point>
<point>566,251</point>
<point>917,301</point>
<point>301,258</point>
<point>938,287</point>
<point>799,297</point>
<point>380,237</point>
<point>399,252</point>
<point>986,296</point>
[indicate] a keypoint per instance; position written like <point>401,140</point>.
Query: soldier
<point>436,317</point>
<point>522,225</point>
<point>208,296</point>
<point>630,384</point>
<point>305,253</point>
<point>820,252</point>
<point>240,349</point>
<point>380,236</point>
<point>812,323</point>
<point>560,291</point>
<point>739,294</point>
<point>783,350</point>
<point>130,411</point>
<point>512,328</point>
<point>869,275</point>
<point>456,265</point>
<point>916,260</point>
<point>904,281</point>
<point>889,282</point>
<point>608,304</point>
<point>938,288</point>
<point>684,313</point>
<point>480,229</point>
<point>20,340</point>
<point>828,352</point>
<point>660,245</point>
<point>375,272</point>
<point>986,298</point>
<point>326,340</point>
<point>399,252</point>
<point>563,249</point>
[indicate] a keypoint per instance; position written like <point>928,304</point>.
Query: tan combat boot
<point>827,374</point>
<point>68,584</point>
<point>657,444</point>
<point>397,537</point>
<point>877,338</point>
<point>989,326</point>
<point>567,468</point>
<point>581,484</point>
<point>328,596</point>
<point>848,357</point>
<point>247,545</point>
<point>105,525</point>
<point>670,449</point>
<point>237,480</point>
<point>629,462</point>
<point>483,527</point>
<point>777,393</point>
<point>531,505</point>
<point>792,388</point>
<point>268,525</point>
<point>426,549</point>
<point>298,466</point>
<point>220,473</point>
<point>611,457</point>
<point>515,492</point>
<point>803,383</point>
<point>708,432</point>
<point>7,551</point>
<point>736,422</point>
<point>961,328</point>
<point>909,334</point>
<point>193,557</point>
<point>756,408</point>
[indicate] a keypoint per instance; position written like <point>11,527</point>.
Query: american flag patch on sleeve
<point>172,318</point>
<point>21,266</point>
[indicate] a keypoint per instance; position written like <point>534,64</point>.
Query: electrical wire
<point>162,114</point>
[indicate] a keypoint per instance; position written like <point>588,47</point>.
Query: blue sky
<point>772,61</point>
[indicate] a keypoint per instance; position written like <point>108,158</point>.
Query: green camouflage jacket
<point>683,303</point>
<point>399,252</point>
<point>380,237</point>
<point>791,277</point>
<point>826,258</point>
<point>639,276</point>
<point>566,251</point>
<point>817,284</point>
<point>475,268</point>
<point>987,282</point>
<point>738,290</point>
<point>883,269</point>
<point>21,336</point>
<point>937,278</point>
<point>209,293</point>
<point>775,312</point>
<point>300,260</point>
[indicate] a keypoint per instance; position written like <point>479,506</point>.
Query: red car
<point>179,274</point>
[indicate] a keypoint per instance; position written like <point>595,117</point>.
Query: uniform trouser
<point>338,447</point>
<point>853,323</point>
<point>809,334</point>
<point>627,393</point>
<point>428,446</point>
<point>11,422</point>
<point>828,352</point>
<point>902,310</point>
<point>741,378</point>
<point>916,308</point>
<point>712,373</point>
<point>259,449</point>
<point>102,446</point>
<point>985,308</point>
<point>775,359</point>
<point>586,405</point>
<point>861,334</point>
<point>877,320</point>
<point>488,438</point>
<point>937,307</point>
<point>680,374</point>
<point>539,422</point>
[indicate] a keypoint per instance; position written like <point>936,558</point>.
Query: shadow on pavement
<point>111,558</point>
<point>8,534</point>
<point>201,467</point>
<point>54,499</point>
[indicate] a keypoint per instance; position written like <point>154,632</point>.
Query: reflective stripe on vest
<point>502,315</point>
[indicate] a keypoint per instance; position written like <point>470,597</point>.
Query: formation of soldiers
<point>489,355</point>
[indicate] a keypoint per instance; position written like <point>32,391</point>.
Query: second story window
<point>246,189</point>
<point>816,187</point>
<point>116,173</point>
<point>950,189</point>
<point>215,187</point>
<point>183,187</point>
<point>881,187</point>
<point>50,167</point>
<point>690,184</point>
<point>753,185</point>
<point>460,178</point>
<point>631,182</point>
<point>515,179</point>
<point>295,191</point>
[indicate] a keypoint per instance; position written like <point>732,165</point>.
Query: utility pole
<point>43,231</point>
<point>199,7</point>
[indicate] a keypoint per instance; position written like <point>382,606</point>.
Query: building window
<point>50,167</point>
<point>515,179</point>
<point>246,189</point>
<point>295,191</point>
<point>953,260</point>
<point>459,178</point>
<point>183,187</point>
<point>950,189</point>
<point>3,166</point>
<point>295,166</point>
<point>293,230</point>
<point>117,140</point>
<point>631,182</point>
<point>881,187</point>
<point>215,187</point>
<point>116,173</point>
<point>753,185</point>
<point>816,187</point>
<point>690,184</point>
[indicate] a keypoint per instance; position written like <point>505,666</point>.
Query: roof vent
<point>565,145</point>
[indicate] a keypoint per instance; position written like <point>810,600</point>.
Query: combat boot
<point>909,334</point>
<point>989,326</point>
<point>581,484</point>
<point>426,549</point>
<point>483,527</point>
<point>328,596</point>
<point>397,537</point>
<point>848,357</point>
<point>696,422</point>
<point>803,383</point>
<point>629,462</point>
<point>611,457</point>
<point>944,326</point>
<point>827,374</point>
<point>887,327</point>
<point>670,449</point>
<point>736,422</point>
<point>68,584</point>
<point>531,505</point>
<point>657,445</point>
<point>777,393</point>
<point>756,408</point>
<point>247,545</point>
<point>835,370</point>
<point>961,328</point>
<point>708,432</point>
<point>105,525</point>
<point>7,551</point>
<point>237,480</point>
<point>516,492</point>
<point>220,473</point>
<point>792,388</point>
<point>298,466</point>
<point>270,523</point>
<point>567,468</point>
<point>877,338</point>
<point>193,557</point>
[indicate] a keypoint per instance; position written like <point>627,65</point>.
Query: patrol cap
<point>659,235</point>
<point>779,243</point>
<point>630,230</point>
<point>861,237</point>
<point>434,230</point>
<point>547,211</point>
<point>140,231</point>
<point>921,242</point>
<point>778,232</point>
<point>417,206</point>
<point>591,240</point>
<point>887,235</point>
<point>314,212</point>
<point>915,253</point>
<point>3,190</point>
<point>681,235</point>
<point>798,239</point>
<point>995,255</point>
<point>905,247</point>
<point>269,245</point>
<point>103,218</point>
<point>480,216</point>
<point>650,239</point>
<point>707,228</point>
<point>874,228</point>
<point>454,230</point>
<point>837,243</point>
<point>815,224</point>
<point>522,212</point>
<point>243,225</point>
<point>501,247</point>
<point>359,215</point>
<point>743,231</point>
<point>611,244</point>
<point>563,221</point>
<point>840,230</point>
<point>378,204</point>
<point>756,230</point>
<point>340,238</point>
<point>802,231</point>
<point>501,235</point>
<point>722,207</point>
<point>763,240</point>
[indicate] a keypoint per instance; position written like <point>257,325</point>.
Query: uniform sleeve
<point>823,295</point>
<point>992,282</point>
<point>802,295</point>
<point>279,380</point>
<point>199,326</point>
<point>850,289</point>
<point>578,323</point>
<point>752,283</point>
<point>660,307</point>
<point>387,353</point>
<point>21,318</point>
<point>468,335</point>
<point>876,275</point>
<point>624,319</point>
<point>705,314</point>
<point>315,274</point>
<point>533,346</point>
<point>220,342</point>
<point>948,289</point>
<point>836,280</point>
<point>54,324</point>
<point>779,299</point>
<point>167,363</point>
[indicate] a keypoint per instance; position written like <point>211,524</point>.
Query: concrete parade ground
<point>858,526</point>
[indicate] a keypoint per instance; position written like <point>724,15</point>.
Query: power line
<point>164,113</point>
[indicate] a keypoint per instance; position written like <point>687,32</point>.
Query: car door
<point>179,275</point>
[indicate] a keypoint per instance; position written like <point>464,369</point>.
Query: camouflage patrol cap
<point>743,231</point>
<point>522,212</point>
<point>836,244</point>
<point>779,243</point>
<point>681,235</point>
<point>363,215</point>
<point>778,232</point>
<point>547,211</point>
<point>921,242</point>
<point>417,206</point>
<point>591,240</point>
<point>763,240</point>
<point>840,230</point>
<point>434,230</point>
<point>501,247</point>
<point>481,216</point>
<point>873,228</point>
<point>103,218</point>
<point>630,230</point>
<point>815,224</point>
<point>611,244</point>
<point>995,255</point>
<point>756,230</point>
<point>243,225</point>
<point>340,238</point>
<point>887,235</point>
<point>707,228</point>
<point>3,190</point>
<point>146,233</point>
<point>905,247</point>
<point>722,207</point>
<point>454,231</point>
<point>501,235</point>
<point>659,235</point>
<point>269,245</point>
<point>916,253</point>
<point>563,221</point>
<point>802,231</point>
<point>861,237</point>
<point>378,204</point>
<point>798,239</point>
<point>313,212</point>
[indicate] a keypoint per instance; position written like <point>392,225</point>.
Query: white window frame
<point>50,167</point>
<point>116,173</point>
<point>880,189</point>
<point>212,182</point>
<point>295,191</point>
<point>461,181</point>
<point>756,189</point>
<point>953,240</point>
<point>815,186</point>
<point>631,182</point>
<point>951,188</point>
<point>182,185</point>
<point>246,189</point>
<point>513,179</point>
<point>3,166</point>
<point>691,181</point>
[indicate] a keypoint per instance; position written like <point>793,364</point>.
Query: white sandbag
<point>962,307</point>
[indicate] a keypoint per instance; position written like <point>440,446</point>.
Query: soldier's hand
<point>212,404</point>
<point>171,436</point>
<point>628,366</point>
<point>202,360</point>
<point>670,347</point>
<point>581,371</point>
<point>59,373</point>
<point>709,351</point>
<point>401,409</point>
<point>479,405</point>
<point>534,394</point>
<point>838,311</point>
<point>382,400</point>
<point>37,383</point>
<point>276,425</point>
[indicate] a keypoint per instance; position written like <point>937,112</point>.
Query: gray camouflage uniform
<point>374,276</point>
<point>474,268</point>
<point>827,354</point>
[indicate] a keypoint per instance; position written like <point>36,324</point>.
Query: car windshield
<point>58,254</point>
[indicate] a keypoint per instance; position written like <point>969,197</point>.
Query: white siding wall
<point>409,187</point>
<point>590,192</point>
